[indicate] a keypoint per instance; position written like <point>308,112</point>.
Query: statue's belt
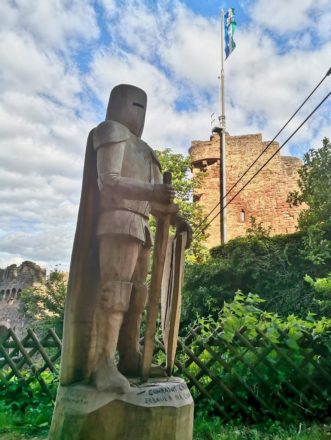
<point>125,209</point>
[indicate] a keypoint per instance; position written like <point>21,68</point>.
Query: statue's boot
<point>128,343</point>
<point>114,302</point>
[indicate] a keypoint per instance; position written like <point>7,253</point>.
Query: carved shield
<point>171,295</point>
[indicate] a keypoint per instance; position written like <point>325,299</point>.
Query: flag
<point>230,27</point>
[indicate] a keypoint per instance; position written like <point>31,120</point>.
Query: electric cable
<point>265,149</point>
<point>265,164</point>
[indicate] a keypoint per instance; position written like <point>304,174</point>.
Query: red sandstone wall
<point>264,198</point>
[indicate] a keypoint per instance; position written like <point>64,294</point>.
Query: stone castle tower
<point>264,198</point>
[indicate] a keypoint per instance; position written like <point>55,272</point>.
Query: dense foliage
<point>314,193</point>
<point>27,409</point>
<point>44,304</point>
<point>266,365</point>
<point>322,287</point>
<point>273,267</point>
<point>314,187</point>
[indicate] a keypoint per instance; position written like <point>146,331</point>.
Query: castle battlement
<point>13,279</point>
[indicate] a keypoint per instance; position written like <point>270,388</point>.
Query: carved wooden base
<point>160,409</point>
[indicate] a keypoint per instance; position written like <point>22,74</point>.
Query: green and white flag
<point>230,27</point>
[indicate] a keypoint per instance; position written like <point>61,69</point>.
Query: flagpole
<point>222,143</point>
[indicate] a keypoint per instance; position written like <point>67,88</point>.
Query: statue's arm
<point>109,164</point>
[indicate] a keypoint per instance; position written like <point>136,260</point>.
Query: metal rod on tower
<point>222,143</point>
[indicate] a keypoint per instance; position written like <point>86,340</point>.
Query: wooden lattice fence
<point>27,359</point>
<point>245,376</point>
<point>250,375</point>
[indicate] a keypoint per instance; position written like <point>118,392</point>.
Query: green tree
<point>314,187</point>
<point>44,303</point>
<point>314,192</point>
<point>257,229</point>
<point>185,185</point>
<point>322,287</point>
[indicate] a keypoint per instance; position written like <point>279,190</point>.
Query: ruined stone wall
<point>264,198</point>
<point>11,317</point>
<point>13,280</point>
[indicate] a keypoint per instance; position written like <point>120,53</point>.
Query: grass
<point>17,436</point>
<point>15,427</point>
<point>211,428</point>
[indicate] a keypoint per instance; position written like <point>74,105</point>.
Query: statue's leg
<point>128,343</point>
<point>118,257</point>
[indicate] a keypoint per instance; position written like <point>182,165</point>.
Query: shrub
<point>27,409</point>
<point>275,371</point>
<point>273,267</point>
<point>44,303</point>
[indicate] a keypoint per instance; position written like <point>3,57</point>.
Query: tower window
<point>243,215</point>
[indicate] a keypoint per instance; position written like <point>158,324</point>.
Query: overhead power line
<point>264,150</point>
<point>266,163</point>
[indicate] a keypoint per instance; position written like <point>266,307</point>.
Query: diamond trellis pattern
<point>246,376</point>
<point>28,358</point>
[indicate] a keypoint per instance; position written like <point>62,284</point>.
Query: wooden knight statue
<point>107,291</point>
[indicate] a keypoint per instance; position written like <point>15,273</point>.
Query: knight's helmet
<point>127,105</point>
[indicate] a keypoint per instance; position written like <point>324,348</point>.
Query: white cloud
<point>109,6</point>
<point>287,16</point>
<point>273,85</point>
<point>50,244</point>
<point>53,24</point>
<point>139,27</point>
<point>43,126</point>
<point>192,48</point>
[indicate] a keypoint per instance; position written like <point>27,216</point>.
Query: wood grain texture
<point>82,414</point>
<point>172,297</point>
<point>163,214</point>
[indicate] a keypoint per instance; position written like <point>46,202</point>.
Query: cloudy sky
<point>59,59</point>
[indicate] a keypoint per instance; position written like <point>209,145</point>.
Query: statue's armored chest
<point>138,160</point>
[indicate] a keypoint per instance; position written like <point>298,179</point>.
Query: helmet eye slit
<point>138,105</point>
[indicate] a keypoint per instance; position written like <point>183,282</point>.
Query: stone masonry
<point>264,198</point>
<point>13,280</point>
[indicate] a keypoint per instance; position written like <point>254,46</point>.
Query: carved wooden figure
<point>107,291</point>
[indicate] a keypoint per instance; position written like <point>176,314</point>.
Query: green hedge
<point>272,267</point>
